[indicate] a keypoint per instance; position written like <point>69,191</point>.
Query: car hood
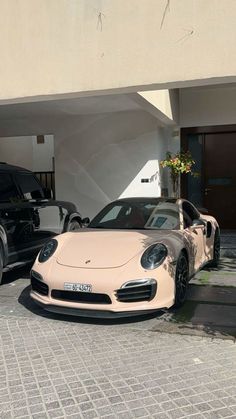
<point>94,249</point>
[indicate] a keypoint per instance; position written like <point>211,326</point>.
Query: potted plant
<point>179,163</point>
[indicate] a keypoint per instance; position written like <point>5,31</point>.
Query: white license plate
<point>69,286</point>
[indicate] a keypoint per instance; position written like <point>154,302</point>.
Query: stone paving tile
<point>71,369</point>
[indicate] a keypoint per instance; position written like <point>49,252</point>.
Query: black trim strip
<point>94,313</point>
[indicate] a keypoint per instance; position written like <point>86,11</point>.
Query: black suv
<point>28,216</point>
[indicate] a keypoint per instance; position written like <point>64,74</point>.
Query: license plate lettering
<point>68,286</point>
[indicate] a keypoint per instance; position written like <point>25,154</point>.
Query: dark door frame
<point>184,132</point>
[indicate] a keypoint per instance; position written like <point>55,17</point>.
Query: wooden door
<point>219,177</point>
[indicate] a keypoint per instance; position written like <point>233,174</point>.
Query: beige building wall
<point>52,47</point>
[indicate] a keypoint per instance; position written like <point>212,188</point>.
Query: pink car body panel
<point>106,259</point>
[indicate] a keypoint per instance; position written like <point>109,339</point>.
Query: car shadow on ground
<point>201,315</point>
<point>26,301</point>
<point>208,311</point>
<point>15,274</point>
<point>197,316</point>
<point>225,264</point>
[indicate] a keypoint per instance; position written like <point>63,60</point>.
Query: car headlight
<point>47,251</point>
<point>154,256</point>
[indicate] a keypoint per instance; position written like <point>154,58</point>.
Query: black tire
<point>74,225</point>
<point>181,280</point>
<point>1,264</point>
<point>216,251</point>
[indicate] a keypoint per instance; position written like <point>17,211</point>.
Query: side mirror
<point>47,193</point>
<point>85,221</point>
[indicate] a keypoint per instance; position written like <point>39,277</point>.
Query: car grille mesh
<point>81,297</point>
<point>136,294</point>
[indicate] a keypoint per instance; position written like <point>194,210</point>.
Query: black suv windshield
<point>137,214</point>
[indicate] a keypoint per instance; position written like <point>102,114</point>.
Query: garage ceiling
<point>72,106</point>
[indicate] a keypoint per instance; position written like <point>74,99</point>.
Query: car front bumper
<point>108,298</point>
<point>93,313</point>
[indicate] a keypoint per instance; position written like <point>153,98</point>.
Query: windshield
<point>148,214</point>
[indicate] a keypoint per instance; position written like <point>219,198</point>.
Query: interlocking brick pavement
<point>70,368</point>
<point>59,369</point>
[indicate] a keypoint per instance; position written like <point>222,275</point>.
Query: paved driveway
<point>53,366</point>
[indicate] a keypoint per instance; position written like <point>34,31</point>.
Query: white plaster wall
<point>25,152</point>
<point>99,158</point>
<point>43,154</point>
<point>208,106</point>
<point>51,47</point>
<point>150,172</point>
<point>17,151</point>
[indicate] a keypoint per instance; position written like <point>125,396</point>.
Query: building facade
<point>118,84</point>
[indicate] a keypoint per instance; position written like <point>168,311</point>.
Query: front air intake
<point>39,286</point>
<point>134,294</point>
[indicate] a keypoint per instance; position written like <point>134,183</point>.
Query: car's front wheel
<point>181,280</point>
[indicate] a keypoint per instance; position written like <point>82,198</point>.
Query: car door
<point>10,218</point>
<point>48,217</point>
<point>195,237</point>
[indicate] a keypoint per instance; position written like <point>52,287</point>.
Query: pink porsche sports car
<point>136,256</point>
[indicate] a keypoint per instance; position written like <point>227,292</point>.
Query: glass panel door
<point>194,182</point>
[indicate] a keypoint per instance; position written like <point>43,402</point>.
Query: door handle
<point>207,190</point>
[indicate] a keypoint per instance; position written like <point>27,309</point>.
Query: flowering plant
<point>179,163</point>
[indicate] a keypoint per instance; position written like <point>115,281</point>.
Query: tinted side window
<point>8,189</point>
<point>189,214</point>
<point>29,186</point>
